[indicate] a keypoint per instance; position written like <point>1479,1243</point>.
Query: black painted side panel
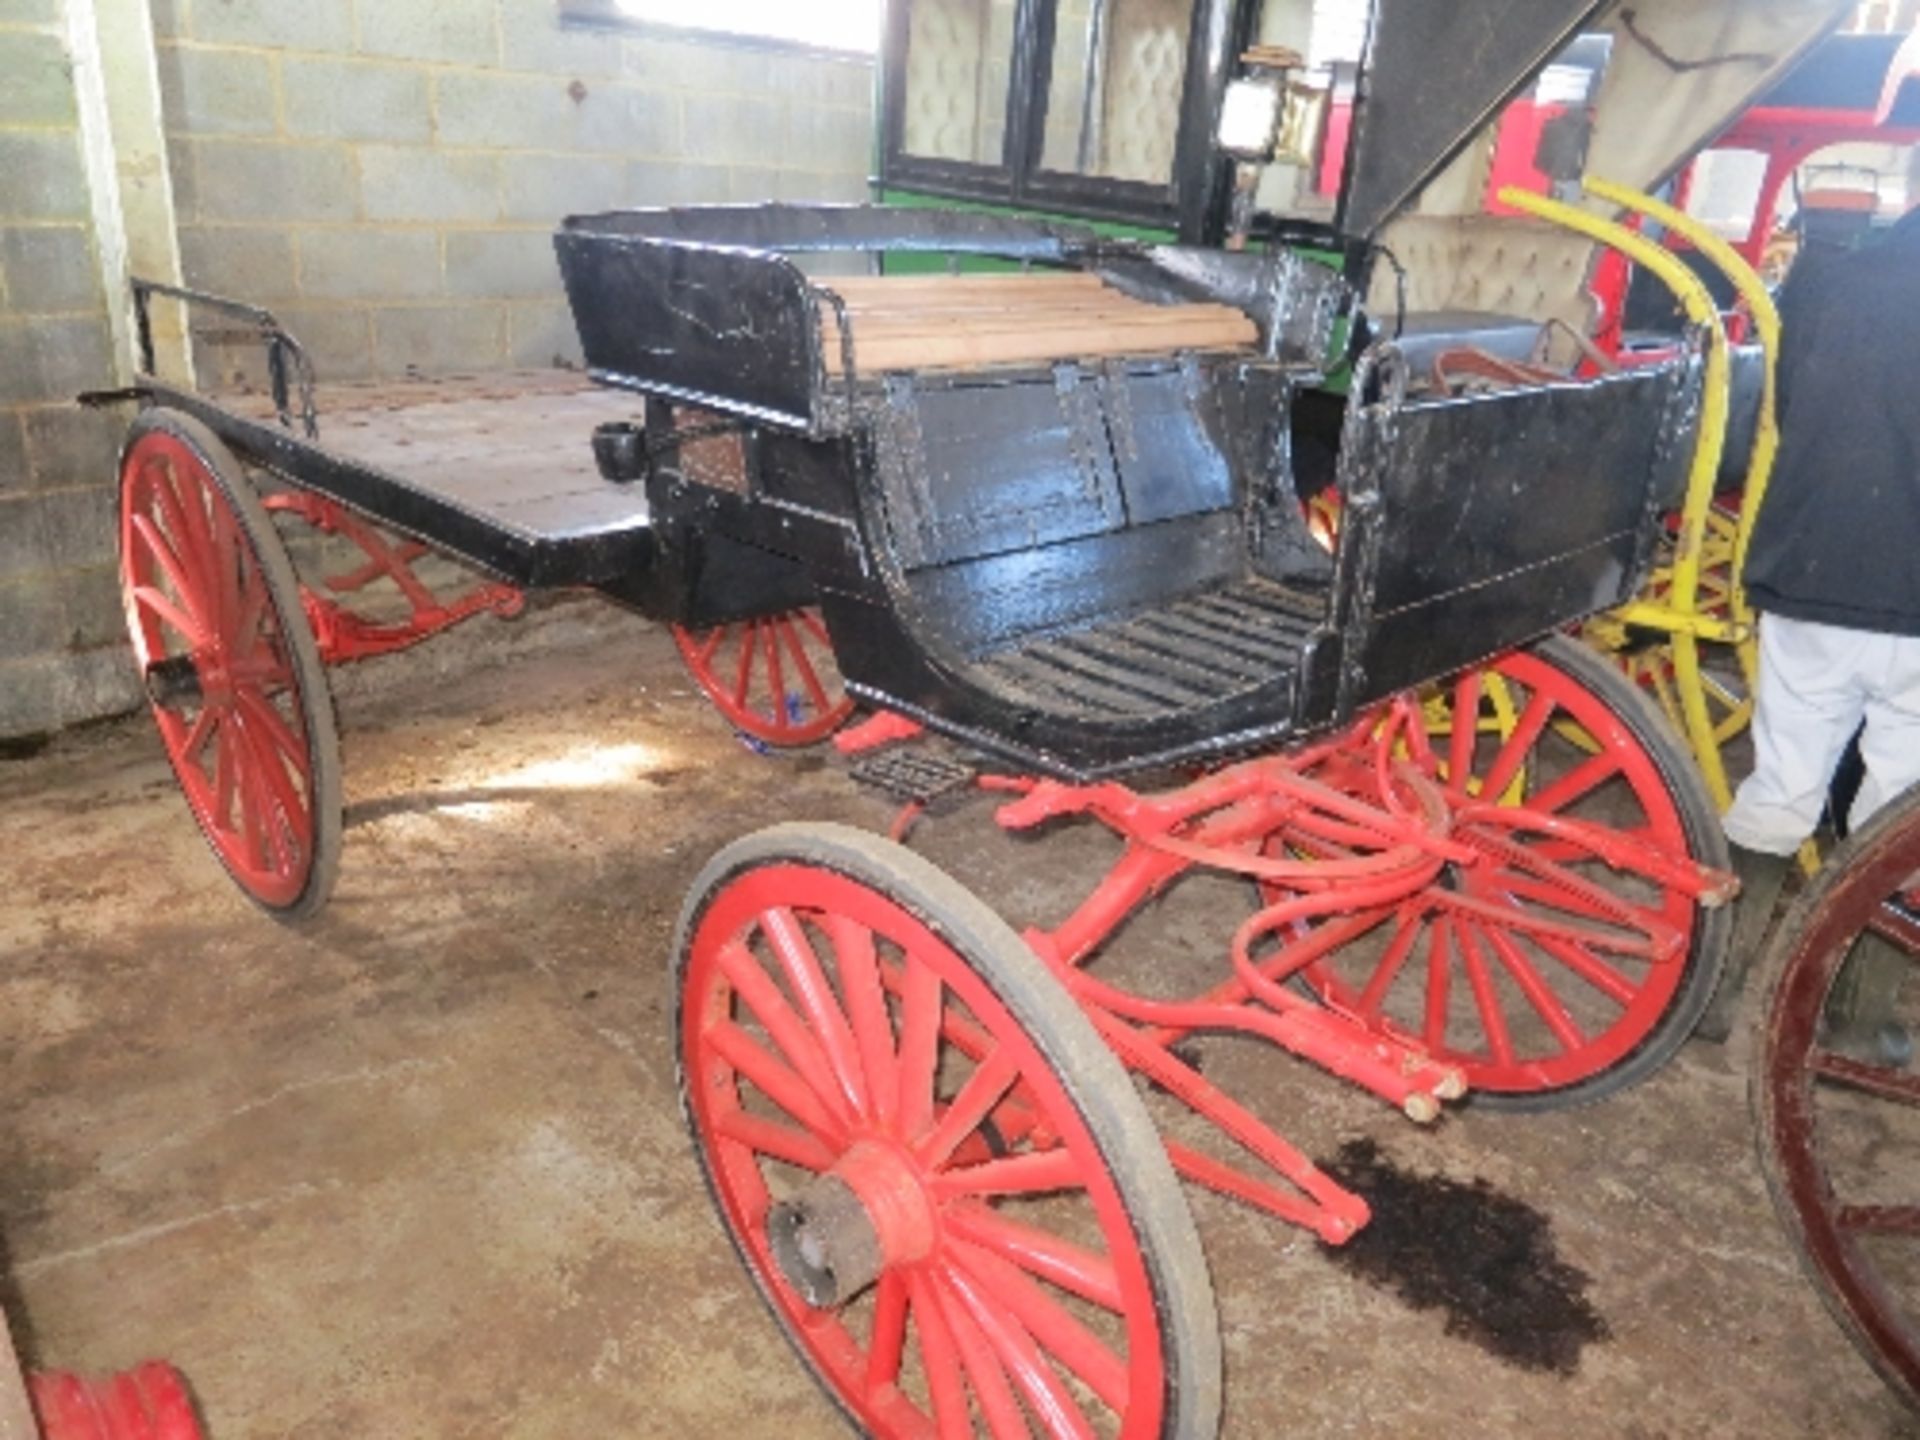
<point>701,324</point>
<point>1171,460</point>
<point>1473,489</point>
<point>1451,631</point>
<point>975,470</point>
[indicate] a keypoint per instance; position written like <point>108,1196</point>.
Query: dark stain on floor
<point>1486,1259</point>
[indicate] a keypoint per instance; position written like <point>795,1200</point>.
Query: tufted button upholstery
<point>1146,68</point>
<point>957,68</point>
<point>1490,264</point>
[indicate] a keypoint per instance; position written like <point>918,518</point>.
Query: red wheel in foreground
<point>1832,1129</point>
<point>772,676</point>
<point>235,680</point>
<point>146,1403</point>
<point>942,1181</point>
<point>1548,974</point>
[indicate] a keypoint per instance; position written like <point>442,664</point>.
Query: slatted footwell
<point>1187,655</point>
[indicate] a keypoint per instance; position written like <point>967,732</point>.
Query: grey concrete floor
<point>415,1170</point>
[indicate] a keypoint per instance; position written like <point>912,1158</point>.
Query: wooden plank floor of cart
<point>511,451</point>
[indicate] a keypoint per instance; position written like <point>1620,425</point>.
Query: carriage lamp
<point>1254,114</point>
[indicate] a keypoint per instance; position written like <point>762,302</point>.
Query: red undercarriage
<point>344,635</point>
<point>1341,837</point>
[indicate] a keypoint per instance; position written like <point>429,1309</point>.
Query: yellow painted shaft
<point>1698,304</point>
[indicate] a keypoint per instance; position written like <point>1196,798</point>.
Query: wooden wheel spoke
<point>197,735</point>
<point>775,1080</point>
<point>1900,1086</point>
<point>1051,1325</point>
<point>1020,1358</point>
<point>1439,963</point>
<point>1466,729</point>
<point>940,1360</point>
<point>170,565</point>
<point>816,692</point>
<point>190,541</point>
<point>1586,777</point>
<point>743,676</point>
<point>1071,1267</point>
<point>976,1099</point>
<point>284,811</point>
<point>1590,968</point>
<point>707,647</point>
<point>1891,1220</point>
<point>1392,962</point>
<point>986,1376</point>
<point>887,1343</point>
<point>756,989</point>
<point>156,603</point>
<point>1539,994</point>
<point>1513,753</point>
<point>920,1002</point>
<point>776,679</point>
<point>777,1141</point>
<point>1898,926</point>
<point>1038,1172</point>
<point>815,627</point>
<point>261,711</point>
<point>808,983</point>
<point>249,793</point>
<point>1486,1000</point>
<point>866,1001</point>
<point>230,572</point>
<point>224,773</point>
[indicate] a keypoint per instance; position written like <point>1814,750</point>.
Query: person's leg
<point>1890,745</point>
<point>1807,704</point>
<point>1808,701</point>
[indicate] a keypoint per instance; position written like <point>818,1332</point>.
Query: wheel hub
<point>174,682</point>
<point>869,1213</point>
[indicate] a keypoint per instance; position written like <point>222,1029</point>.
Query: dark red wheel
<point>1832,1128</point>
<point>1550,972</point>
<point>772,676</point>
<point>941,1180</point>
<point>231,668</point>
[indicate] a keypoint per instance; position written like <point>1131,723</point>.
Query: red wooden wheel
<point>1549,973</point>
<point>235,680</point>
<point>1831,1128</point>
<point>772,676</point>
<point>149,1402</point>
<point>941,1180</point>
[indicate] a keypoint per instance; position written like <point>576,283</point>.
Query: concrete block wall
<point>386,174</point>
<point>62,651</point>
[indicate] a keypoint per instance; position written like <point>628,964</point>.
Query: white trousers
<point>1817,683</point>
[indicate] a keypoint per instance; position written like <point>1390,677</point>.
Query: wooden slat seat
<point>931,322</point>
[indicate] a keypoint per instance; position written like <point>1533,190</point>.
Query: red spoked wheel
<point>1548,970</point>
<point>941,1180</point>
<point>1833,1129</point>
<point>230,665</point>
<point>149,1402</point>
<point>773,676</point>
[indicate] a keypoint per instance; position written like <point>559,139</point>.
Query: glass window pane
<point>959,64</point>
<point>1113,107</point>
